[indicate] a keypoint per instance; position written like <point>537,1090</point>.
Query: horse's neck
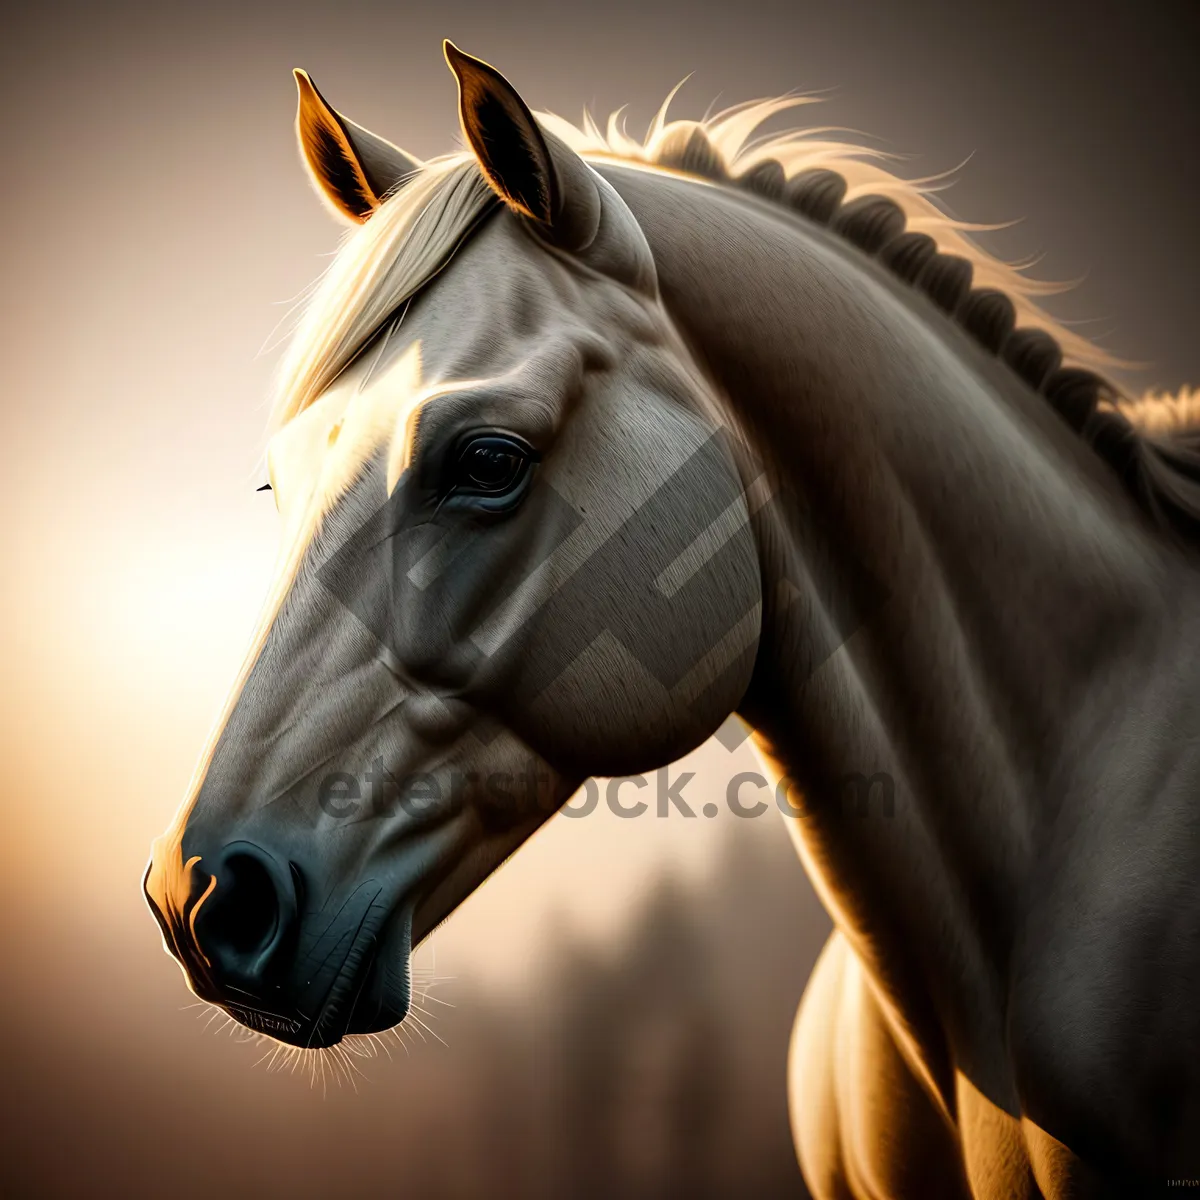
<point>957,593</point>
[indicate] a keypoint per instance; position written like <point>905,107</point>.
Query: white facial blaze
<point>311,462</point>
<point>318,454</point>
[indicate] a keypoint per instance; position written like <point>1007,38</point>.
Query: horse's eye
<point>490,465</point>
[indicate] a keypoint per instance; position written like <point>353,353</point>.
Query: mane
<point>1152,441</point>
<point>380,266</point>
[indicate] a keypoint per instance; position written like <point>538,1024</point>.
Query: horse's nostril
<point>242,926</point>
<point>245,915</point>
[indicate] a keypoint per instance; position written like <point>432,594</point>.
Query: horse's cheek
<point>647,678</point>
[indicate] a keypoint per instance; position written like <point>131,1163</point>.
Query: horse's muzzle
<point>237,927</point>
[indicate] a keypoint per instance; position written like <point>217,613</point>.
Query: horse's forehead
<point>507,321</point>
<point>501,296</point>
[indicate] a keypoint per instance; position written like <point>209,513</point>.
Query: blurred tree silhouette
<point>658,1071</point>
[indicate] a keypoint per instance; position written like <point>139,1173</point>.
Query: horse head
<point>516,553</point>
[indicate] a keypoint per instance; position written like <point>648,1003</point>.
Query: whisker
<point>425,996</point>
<point>265,1055</point>
<point>431,1032</point>
<point>352,1068</point>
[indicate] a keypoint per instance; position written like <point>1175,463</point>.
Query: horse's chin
<point>384,992</point>
<point>371,994</point>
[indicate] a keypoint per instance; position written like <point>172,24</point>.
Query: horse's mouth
<point>365,997</point>
<point>284,1029</point>
<point>358,1000</point>
<point>339,1014</point>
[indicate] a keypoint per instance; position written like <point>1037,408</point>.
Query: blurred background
<point>622,991</point>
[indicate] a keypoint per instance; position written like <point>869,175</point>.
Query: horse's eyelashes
<point>266,487</point>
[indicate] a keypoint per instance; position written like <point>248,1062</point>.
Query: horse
<point>585,443</point>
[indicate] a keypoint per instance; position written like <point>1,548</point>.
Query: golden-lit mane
<point>414,233</point>
<point>381,264</point>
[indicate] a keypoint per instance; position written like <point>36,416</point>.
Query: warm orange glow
<point>208,891</point>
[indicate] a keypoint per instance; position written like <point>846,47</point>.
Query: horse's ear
<point>533,172</point>
<point>354,170</point>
